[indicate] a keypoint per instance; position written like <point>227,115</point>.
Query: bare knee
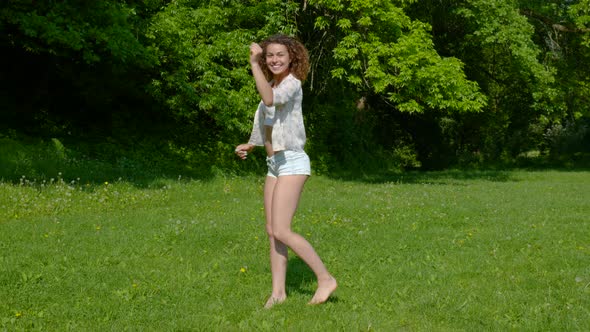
<point>281,234</point>
<point>269,231</point>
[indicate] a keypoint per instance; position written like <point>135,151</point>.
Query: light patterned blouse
<point>288,132</point>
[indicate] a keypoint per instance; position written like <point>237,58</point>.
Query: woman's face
<point>277,59</point>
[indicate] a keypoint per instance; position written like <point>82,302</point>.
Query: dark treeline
<point>393,84</point>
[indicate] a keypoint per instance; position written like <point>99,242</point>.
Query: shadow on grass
<point>494,173</point>
<point>301,280</point>
<point>430,177</point>
<point>151,166</point>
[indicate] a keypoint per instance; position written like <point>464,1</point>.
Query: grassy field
<point>446,251</point>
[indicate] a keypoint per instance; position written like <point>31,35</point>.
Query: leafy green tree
<point>380,50</point>
<point>204,76</point>
<point>563,33</point>
<point>499,47</point>
<point>391,80</point>
<point>71,62</point>
<point>84,30</point>
<point>377,64</point>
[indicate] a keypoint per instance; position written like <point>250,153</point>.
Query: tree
<point>203,74</point>
<point>563,33</point>
<point>500,49</point>
<point>391,80</point>
<point>78,61</point>
<point>378,49</point>
<point>385,61</point>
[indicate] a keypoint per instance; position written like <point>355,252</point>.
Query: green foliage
<point>503,49</point>
<point>18,159</point>
<point>381,51</point>
<point>107,160</point>
<point>561,33</point>
<point>440,82</point>
<point>199,72</point>
<point>514,78</point>
<point>567,139</point>
<point>203,52</point>
<point>580,13</point>
<point>503,34</point>
<point>91,31</point>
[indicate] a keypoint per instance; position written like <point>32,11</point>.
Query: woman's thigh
<point>269,186</point>
<point>285,199</point>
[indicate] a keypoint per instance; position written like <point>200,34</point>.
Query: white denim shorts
<point>288,162</point>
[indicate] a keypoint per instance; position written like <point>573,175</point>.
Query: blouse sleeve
<point>286,91</point>
<point>269,115</point>
<point>256,137</point>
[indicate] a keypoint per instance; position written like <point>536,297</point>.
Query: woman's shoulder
<point>292,78</point>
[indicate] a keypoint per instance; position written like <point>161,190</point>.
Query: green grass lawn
<point>446,251</point>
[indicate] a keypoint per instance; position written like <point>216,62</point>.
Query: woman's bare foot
<point>325,289</point>
<point>274,300</point>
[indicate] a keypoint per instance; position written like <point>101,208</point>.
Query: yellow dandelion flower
<point>18,314</point>
<point>243,270</point>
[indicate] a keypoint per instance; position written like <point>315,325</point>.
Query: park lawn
<point>443,251</point>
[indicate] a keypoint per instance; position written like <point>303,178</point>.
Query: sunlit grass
<point>433,251</point>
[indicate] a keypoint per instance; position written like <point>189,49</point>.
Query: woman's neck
<point>277,79</point>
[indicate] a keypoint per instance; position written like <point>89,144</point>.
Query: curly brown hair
<point>297,53</point>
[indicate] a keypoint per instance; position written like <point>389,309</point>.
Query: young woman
<point>284,61</point>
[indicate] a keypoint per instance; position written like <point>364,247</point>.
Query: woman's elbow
<point>268,102</point>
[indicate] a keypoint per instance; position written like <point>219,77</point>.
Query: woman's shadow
<point>301,279</point>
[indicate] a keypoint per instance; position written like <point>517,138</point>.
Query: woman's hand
<point>243,149</point>
<point>255,53</point>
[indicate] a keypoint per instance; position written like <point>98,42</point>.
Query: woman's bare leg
<point>278,250</point>
<point>285,199</point>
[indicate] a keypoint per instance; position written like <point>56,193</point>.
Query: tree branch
<point>551,23</point>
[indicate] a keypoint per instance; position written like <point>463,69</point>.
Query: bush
<point>568,138</point>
